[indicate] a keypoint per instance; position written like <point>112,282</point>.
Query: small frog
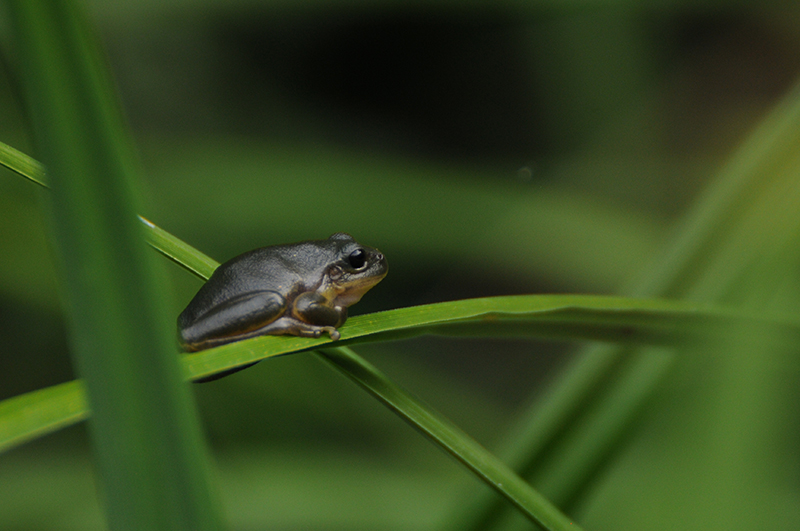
<point>301,289</point>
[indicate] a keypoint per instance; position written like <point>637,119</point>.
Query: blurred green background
<point>486,150</point>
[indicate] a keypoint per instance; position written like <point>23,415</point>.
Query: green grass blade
<point>22,164</point>
<point>179,251</point>
<point>31,415</point>
<point>614,319</point>
<point>488,468</point>
<point>562,316</point>
<point>563,469</point>
<point>767,159</point>
<point>173,248</point>
<point>145,432</point>
<point>613,412</point>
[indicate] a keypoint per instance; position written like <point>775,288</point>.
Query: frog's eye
<point>357,258</point>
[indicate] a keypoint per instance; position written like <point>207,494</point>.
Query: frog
<point>302,289</point>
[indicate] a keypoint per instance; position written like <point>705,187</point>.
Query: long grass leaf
<point>32,415</point>
<point>22,164</point>
<point>144,428</point>
<point>488,468</point>
<point>573,317</point>
<point>549,316</point>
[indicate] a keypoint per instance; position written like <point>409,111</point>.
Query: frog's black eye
<point>357,258</point>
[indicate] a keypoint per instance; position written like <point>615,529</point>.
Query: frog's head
<point>355,269</point>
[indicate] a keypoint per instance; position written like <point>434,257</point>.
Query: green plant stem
<point>488,468</point>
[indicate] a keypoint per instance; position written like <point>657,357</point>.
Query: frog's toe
<point>335,335</point>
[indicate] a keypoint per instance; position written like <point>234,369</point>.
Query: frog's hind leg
<point>231,321</point>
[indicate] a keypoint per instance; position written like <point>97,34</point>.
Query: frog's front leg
<point>315,310</point>
<point>235,319</point>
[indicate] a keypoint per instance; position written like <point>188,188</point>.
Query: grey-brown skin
<point>302,289</point>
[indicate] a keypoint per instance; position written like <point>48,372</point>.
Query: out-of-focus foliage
<point>513,149</point>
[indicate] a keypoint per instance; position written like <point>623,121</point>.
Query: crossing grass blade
<point>477,459</point>
<point>162,241</point>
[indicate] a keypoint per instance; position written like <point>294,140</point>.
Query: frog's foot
<point>331,331</point>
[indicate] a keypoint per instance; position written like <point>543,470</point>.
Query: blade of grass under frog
<point>570,316</point>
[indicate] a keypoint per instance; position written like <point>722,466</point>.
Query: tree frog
<point>301,289</point>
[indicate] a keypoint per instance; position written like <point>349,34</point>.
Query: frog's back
<point>257,270</point>
<point>280,268</point>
